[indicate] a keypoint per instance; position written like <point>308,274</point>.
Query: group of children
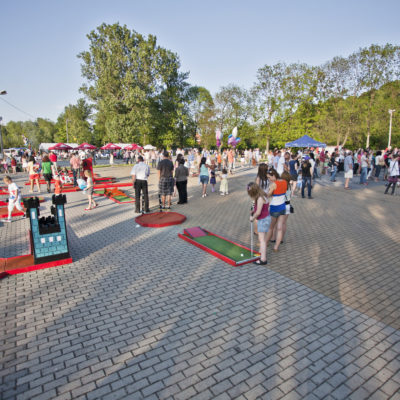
<point>61,177</point>
<point>204,178</point>
<point>271,195</point>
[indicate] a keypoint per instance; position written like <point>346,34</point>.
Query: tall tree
<point>202,114</point>
<point>135,84</point>
<point>268,94</point>
<point>73,125</point>
<point>377,67</point>
<point>233,106</point>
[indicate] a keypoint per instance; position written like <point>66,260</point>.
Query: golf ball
<point>137,226</point>
<point>241,254</point>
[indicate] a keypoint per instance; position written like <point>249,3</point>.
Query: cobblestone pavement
<point>142,314</point>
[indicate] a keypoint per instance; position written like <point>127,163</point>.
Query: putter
<point>251,230</point>
<point>159,201</point>
<point>251,238</point>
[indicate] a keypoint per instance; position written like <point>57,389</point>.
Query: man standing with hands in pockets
<point>140,173</point>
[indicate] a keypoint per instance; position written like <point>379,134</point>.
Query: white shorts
<point>15,203</point>
<point>348,174</point>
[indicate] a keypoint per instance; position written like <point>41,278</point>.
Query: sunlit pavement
<point>143,314</point>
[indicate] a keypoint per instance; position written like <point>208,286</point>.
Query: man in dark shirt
<point>306,178</point>
<point>166,181</point>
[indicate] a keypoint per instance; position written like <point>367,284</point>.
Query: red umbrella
<point>60,146</point>
<point>86,146</point>
<point>132,146</point>
<point>110,146</point>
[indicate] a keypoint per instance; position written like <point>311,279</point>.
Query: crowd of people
<point>283,175</point>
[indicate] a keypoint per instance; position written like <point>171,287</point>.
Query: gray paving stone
<point>120,323</point>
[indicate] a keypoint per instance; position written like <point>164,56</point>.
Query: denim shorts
<point>277,214</point>
<point>204,179</point>
<point>263,224</point>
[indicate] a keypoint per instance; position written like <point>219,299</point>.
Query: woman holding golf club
<point>261,214</point>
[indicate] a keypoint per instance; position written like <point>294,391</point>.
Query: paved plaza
<point>142,314</point>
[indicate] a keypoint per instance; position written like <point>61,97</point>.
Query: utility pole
<point>3,92</point>
<point>66,125</point>
<point>390,126</point>
<point>1,139</point>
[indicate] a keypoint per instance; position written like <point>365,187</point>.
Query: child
<point>65,178</point>
<point>57,184</point>
<point>14,199</point>
<point>212,173</point>
<point>261,214</point>
<point>5,165</point>
<point>223,188</point>
<point>299,183</point>
<point>90,190</point>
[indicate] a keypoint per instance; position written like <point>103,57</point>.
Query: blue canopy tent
<point>305,141</point>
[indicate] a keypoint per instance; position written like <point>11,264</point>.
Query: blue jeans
<point>363,176</point>
<point>306,180</point>
<point>75,173</point>
<point>333,176</point>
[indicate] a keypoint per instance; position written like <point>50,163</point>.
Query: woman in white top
<point>393,173</point>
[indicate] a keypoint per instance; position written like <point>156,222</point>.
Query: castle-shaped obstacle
<point>48,239</point>
<point>48,234</point>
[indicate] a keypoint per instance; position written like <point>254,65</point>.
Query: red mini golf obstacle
<point>226,250</point>
<point>160,219</point>
<point>16,212</point>
<point>114,194</point>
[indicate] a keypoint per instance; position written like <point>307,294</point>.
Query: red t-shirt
<point>53,157</point>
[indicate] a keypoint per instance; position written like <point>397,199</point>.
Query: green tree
<point>233,107</point>
<point>134,84</point>
<point>377,66</point>
<point>75,119</point>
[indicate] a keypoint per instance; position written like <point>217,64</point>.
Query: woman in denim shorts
<point>203,174</point>
<point>277,208</point>
<point>261,215</point>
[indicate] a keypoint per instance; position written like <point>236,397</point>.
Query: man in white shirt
<point>364,168</point>
<point>281,164</point>
<point>140,173</point>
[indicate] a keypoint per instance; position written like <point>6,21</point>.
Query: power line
<point>12,105</point>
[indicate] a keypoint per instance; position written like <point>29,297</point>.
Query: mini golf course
<point>226,250</point>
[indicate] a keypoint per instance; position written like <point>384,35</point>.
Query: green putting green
<point>222,246</point>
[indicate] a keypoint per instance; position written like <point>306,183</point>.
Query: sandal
<point>259,262</point>
<point>87,209</point>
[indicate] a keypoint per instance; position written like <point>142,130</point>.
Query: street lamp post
<point>1,139</point>
<point>3,92</point>
<point>66,124</point>
<point>390,126</point>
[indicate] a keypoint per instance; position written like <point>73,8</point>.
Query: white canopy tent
<point>46,146</point>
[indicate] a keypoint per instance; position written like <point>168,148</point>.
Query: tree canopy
<point>134,91</point>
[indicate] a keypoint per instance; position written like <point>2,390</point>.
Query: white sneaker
<point>222,194</point>
<point>7,220</point>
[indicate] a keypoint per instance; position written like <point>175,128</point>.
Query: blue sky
<point>218,42</point>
